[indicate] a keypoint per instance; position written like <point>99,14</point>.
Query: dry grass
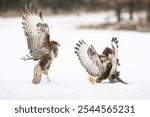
<point>130,25</point>
<point>98,26</point>
<point>12,13</point>
<point>48,12</point>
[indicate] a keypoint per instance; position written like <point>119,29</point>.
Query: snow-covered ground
<point>68,77</point>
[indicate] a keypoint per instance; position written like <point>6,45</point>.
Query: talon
<point>45,71</point>
<point>91,79</point>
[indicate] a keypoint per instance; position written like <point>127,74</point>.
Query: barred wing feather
<point>83,52</point>
<point>34,28</point>
<point>114,44</point>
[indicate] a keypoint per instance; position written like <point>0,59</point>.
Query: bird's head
<point>54,43</point>
<point>54,47</point>
<point>103,58</point>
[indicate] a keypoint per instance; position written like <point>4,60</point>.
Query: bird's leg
<point>45,71</point>
<point>99,80</point>
<point>91,79</point>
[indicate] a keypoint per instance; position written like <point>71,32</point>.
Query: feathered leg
<point>37,74</point>
<point>99,80</point>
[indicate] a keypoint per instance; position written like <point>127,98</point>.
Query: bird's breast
<point>52,55</point>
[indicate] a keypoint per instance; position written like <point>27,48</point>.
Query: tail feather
<point>120,80</point>
<point>37,74</point>
<point>116,76</point>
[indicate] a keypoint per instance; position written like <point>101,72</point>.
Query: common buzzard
<point>38,40</point>
<point>102,66</point>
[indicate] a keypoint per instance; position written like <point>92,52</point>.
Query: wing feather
<point>114,44</point>
<point>83,52</point>
<point>35,29</point>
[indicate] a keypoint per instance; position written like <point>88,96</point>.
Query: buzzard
<point>102,66</point>
<point>40,46</point>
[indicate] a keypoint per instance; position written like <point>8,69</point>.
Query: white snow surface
<point>68,77</point>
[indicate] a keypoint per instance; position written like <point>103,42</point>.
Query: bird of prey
<point>40,46</point>
<point>103,66</point>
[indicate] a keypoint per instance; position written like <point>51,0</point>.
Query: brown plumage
<point>38,39</point>
<point>102,66</point>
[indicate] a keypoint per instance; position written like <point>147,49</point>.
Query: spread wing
<point>114,56</point>
<point>93,65</point>
<point>36,31</point>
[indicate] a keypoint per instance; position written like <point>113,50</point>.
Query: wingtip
<point>83,41</point>
<point>26,6</point>
<point>78,44</point>
<point>31,5</point>
<point>92,46</point>
<point>22,11</point>
<point>114,39</point>
<point>76,48</point>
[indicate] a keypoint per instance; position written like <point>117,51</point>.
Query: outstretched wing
<point>36,31</point>
<point>114,56</point>
<point>93,65</point>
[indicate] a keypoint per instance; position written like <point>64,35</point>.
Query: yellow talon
<point>91,79</point>
<point>45,71</point>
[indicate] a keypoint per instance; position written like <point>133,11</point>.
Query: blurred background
<point>137,11</point>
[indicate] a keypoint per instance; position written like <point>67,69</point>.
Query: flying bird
<point>41,48</point>
<point>100,66</point>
